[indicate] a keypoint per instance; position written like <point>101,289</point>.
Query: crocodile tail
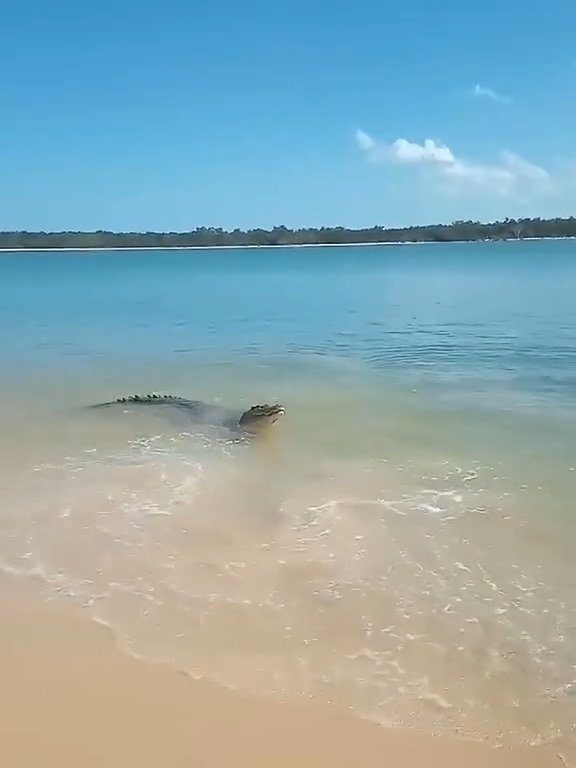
<point>153,397</point>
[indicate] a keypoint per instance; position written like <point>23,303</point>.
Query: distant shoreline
<point>286,245</point>
<point>285,237</point>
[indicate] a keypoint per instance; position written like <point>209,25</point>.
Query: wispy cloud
<point>482,92</point>
<point>365,142</point>
<point>510,175</point>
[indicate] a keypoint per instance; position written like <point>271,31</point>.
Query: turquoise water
<point>498,312</point>
<point>403,543</point>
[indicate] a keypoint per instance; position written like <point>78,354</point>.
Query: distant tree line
<point>210,236</point>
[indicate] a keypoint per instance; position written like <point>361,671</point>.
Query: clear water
<point>401,545</point>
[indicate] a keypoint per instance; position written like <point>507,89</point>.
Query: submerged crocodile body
<point>252,421</point>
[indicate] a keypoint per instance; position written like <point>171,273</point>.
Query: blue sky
<point>167,116</point>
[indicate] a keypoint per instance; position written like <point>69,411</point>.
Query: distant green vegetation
<point>210,237</point>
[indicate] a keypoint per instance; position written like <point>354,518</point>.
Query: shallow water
<point>401,544</point>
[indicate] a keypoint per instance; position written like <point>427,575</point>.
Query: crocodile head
<point>259,417</point>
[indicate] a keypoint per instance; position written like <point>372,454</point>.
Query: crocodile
<point>250,422</point>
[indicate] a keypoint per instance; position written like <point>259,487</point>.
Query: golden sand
<point>70,699</point>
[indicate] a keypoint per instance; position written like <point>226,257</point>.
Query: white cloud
<point>429,152</point>
<point>482,92</point>
<point>403,151</point>
<point>511,175</point>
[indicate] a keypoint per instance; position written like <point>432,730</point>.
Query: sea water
<point>402,544</point>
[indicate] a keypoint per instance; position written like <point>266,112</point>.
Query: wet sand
<point>70,698</point>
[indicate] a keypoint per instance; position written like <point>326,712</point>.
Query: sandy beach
<point>279,245</point>
<point>69,697</point>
